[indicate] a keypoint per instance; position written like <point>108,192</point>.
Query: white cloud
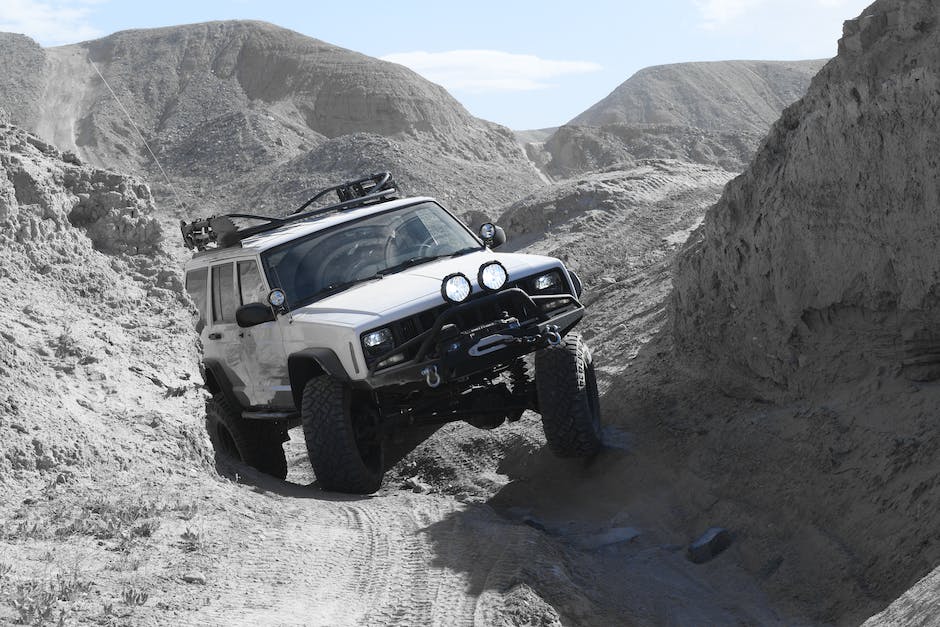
<point>716,14</point>
<point>49,22</point>
<point>480,71</point>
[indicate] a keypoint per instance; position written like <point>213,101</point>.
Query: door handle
<point>215,336</point>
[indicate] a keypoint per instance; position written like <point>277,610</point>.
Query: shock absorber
<point>520,383</point>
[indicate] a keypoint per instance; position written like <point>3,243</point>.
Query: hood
<point>416,289</point>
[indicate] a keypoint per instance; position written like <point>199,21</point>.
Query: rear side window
<point>250,287</point>
<point>196,282</point>
<point>224,298</point>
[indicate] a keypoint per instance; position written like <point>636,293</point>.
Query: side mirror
<point>493,236</point>
<point>253,314</point>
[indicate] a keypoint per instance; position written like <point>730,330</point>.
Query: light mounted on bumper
<point>455,288</point>
<point>492,276</point>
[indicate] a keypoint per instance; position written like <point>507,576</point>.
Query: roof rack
<point>221,230</point>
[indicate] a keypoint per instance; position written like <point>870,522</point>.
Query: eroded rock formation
<point>819,265</point>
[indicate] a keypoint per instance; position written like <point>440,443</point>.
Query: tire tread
<point>562,387</point>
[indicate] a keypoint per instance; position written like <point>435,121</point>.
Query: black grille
<point>469,318</point>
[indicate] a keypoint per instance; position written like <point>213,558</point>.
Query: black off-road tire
<point>254,443</point>
<point>568,399</point>
<point>344,455</point>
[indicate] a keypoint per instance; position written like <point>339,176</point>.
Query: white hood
<point>415,289</point>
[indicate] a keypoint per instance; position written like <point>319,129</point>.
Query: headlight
<point>455,288</point>
<point>378,342</point>
<point>546,281</point>
<point>493,275</point>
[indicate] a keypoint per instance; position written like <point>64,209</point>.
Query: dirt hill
<point>709,113</point>
<point>817,264</point>
<point>812,287</point>
<point>225,105</point>
<point>715,96</point>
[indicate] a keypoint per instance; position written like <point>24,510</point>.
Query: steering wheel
<point>394,256</point>
<point>346,263</point>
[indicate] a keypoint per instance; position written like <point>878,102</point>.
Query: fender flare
<point>309,363</point>
<point>217,382</point>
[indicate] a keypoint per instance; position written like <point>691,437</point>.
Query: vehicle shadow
<point>829,499</point>
<point>301,482</point>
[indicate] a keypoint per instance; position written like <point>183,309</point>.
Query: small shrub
<point>36,600</point>
<point>113,521</point>
<point>132,596</point>
<point>146,528</point>
<point>193,540</point>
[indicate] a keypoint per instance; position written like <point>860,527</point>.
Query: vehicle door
<point>222,336</point>
<point>262,344</point>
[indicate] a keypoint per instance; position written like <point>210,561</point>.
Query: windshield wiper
<point>339,287</point>
<point>466,251</point>
<point>414,261</point>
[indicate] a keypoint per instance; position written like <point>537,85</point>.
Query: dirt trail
<point>283,553</point>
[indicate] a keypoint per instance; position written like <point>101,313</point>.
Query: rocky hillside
<point>226,104</point>
<point>84,284</point>
<point>709,113</point>
<point>575,150</point>
<point>812,287</point>
<point>818,265</point>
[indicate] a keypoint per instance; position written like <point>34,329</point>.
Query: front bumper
<point>451,353</point>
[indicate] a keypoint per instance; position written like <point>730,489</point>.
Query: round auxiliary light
<point>455,288</point>
<point>493,275</point>
<point>277,298</point>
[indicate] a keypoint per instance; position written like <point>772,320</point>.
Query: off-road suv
<point>378,314</point>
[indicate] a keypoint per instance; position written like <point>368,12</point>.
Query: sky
<point>525,64</point>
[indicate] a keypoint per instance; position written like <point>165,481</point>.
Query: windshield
<point>330,261</point>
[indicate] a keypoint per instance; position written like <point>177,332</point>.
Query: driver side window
<point>250,286</point>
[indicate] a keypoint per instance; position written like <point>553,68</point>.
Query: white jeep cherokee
<point>374,315</point>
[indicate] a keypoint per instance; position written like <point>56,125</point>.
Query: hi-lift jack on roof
<point>221,230</point>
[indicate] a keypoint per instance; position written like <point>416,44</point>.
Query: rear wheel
<point>343,439</point>
<point>254,443</point>
<point>568,399</point>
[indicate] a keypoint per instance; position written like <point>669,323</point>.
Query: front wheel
<point>344,443</point>
<point>567,392</point>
